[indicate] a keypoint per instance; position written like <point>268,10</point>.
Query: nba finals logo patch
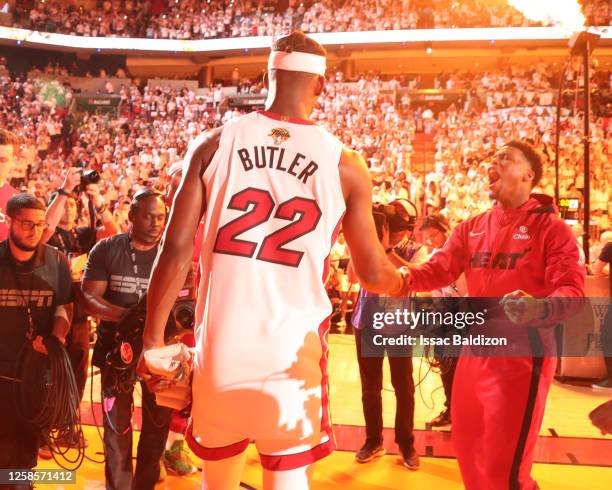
<point>280,135</point>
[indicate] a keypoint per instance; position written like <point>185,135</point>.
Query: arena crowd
<point>207,19</point>
<point>151,130</point>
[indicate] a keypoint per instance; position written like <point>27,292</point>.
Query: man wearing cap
<point>273,189</point>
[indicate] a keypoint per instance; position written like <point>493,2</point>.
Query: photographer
<point>394,222</point>
<point>62,233</point>
<point>116,276</point>
<point>62,214</point>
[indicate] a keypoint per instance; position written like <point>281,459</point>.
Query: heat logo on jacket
<point>502,260</point>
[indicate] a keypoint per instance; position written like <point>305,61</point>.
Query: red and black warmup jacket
<point>505,249</point>
<point>498,402</point>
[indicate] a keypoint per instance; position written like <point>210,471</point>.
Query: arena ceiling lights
<point>537,35</point>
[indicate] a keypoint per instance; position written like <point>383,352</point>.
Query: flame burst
<point>563,13</point>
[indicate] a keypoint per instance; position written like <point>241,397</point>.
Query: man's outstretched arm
<point>174,258</point>
<point>374,270</point>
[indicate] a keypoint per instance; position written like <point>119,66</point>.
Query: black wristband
<point>62,192</point>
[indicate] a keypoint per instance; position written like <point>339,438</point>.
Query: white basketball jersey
<point>274,205</point>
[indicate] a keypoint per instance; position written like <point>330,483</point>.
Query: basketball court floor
<point>570,454</point>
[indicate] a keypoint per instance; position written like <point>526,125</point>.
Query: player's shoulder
<point>201,141</point>
<point>330,138</point>
<point>351,157</point>
<point>244,120</point>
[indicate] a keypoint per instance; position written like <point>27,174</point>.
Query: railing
<point>12,36</point>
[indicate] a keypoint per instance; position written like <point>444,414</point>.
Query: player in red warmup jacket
<point>517,249</point>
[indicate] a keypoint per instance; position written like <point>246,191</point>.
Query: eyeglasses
<point>28,225</point>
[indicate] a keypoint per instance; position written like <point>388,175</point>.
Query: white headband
<point>297,61</point>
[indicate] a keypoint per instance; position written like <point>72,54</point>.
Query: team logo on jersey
<point>501,260</point>
<point>280,135</point>
<point>522,234</point>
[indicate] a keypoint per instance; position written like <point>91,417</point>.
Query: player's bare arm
<point>370,263</point>
<point>176,249</point>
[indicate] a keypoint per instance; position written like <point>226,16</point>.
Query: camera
<point>89,177</point>
<point>128,335</point>
<point>401,215</point>
<point>183,312</point>
<point>127,342</point>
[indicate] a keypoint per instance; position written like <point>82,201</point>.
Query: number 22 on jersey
<point>262,206</point>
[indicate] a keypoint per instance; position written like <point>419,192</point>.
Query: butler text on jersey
<point>274,157</point>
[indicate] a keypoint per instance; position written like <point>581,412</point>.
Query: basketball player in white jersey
<point>273,189</point>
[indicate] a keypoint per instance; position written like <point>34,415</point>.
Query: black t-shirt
<point>111,260</point>
<point>43,283</point>
<point>606,256</point>
<point>78,240</point>
<point>63,240</point>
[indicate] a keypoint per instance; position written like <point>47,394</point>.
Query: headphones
<point>404,215</point>
<point>143,194</point>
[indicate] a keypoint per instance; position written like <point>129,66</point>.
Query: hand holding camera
<point>79,179</point>
<point>72,180</point>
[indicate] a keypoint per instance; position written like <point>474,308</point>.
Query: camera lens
<point>90,177</point>
<point>184,314</point>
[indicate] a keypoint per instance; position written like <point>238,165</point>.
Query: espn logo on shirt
<point>128,285</point>
<point>20,297</point>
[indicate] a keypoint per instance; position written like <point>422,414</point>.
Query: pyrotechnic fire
<point>563,13</point>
